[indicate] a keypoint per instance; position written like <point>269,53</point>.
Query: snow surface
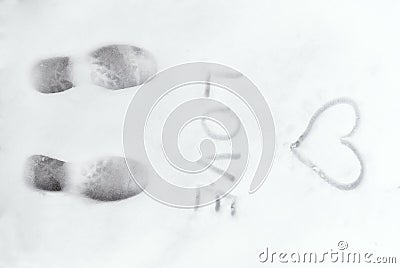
<point>299,53</point>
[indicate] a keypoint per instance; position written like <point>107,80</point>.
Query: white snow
<point>299,53</point>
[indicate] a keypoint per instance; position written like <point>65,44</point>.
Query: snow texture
<point>300,54</point>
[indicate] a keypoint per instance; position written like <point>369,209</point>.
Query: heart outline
<point>343,141</point>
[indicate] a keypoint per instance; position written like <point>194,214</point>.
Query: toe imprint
<point>121,66</point>
<point>109,180</point>
<point>53,75</point>
<point>46,173</point>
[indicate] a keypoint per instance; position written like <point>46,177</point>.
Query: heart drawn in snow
<point>343,141</point>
